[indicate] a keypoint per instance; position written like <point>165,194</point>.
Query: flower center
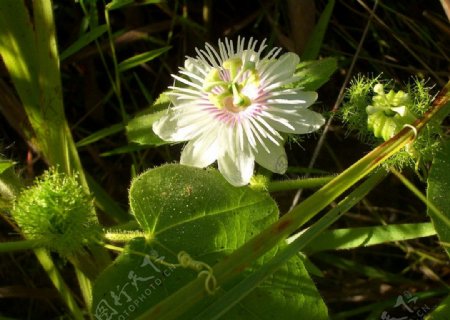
<point>231,86</point>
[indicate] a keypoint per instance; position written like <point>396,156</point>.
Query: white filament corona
<point>231,104</point>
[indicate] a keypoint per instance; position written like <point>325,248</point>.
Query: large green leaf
<point>438,194</point>
<point>187,209</point>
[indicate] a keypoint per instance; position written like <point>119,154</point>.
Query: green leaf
<point>352,267</point>
<point>294,248</point>
<point>5,164</point>
<point>193,210</point>
<point>18,51</point>
<point>139,129</point>
<point>132,147</point>
<point>141,58</point>
<point>117,4</point>
<point>310,266</point>
<point>29,52</point>
<point>441,312</point>
<point>277,298</point>
<point>10,184</point>
<point>175,200</point>
<point>313,46</point>
<point>143,87</point>
<point>368,236</point>
<point>437,193</point>
<point>83,41</point>
<point>240,302</point>
<point>100,134</point>
<point>313,74</point>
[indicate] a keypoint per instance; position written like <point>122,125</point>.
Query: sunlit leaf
<point>368,236</point>
<point>193,210</point>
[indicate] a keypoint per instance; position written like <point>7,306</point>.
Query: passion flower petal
<point>231,104</point>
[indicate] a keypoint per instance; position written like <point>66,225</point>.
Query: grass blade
<point>442,311</point>
<point>313,46</point>
<point>83,41</point>
<point>369,236</point>
<point>100,134</point>
<point>58,281</point>
<point>141,58</point>
<point>117,4</point>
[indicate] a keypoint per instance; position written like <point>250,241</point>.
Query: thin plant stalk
<point>58,281</point>
<point>284,185</point>
<point>431,206</point>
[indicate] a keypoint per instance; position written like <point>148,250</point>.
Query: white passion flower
<point>231,104</point>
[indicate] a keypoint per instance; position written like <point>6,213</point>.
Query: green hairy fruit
<point>56,212</point>
<point>376,110</point>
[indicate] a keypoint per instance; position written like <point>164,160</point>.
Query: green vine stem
<point>123,235</point>
<point>12,246</point>
<point>301,183</point>
<point>242,258</point>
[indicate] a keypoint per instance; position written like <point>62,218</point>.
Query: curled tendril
<point>186,261</point>
<point>414,129</point>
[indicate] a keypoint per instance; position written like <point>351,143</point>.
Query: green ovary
<point>231,96</point>
<point>389,113</point>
